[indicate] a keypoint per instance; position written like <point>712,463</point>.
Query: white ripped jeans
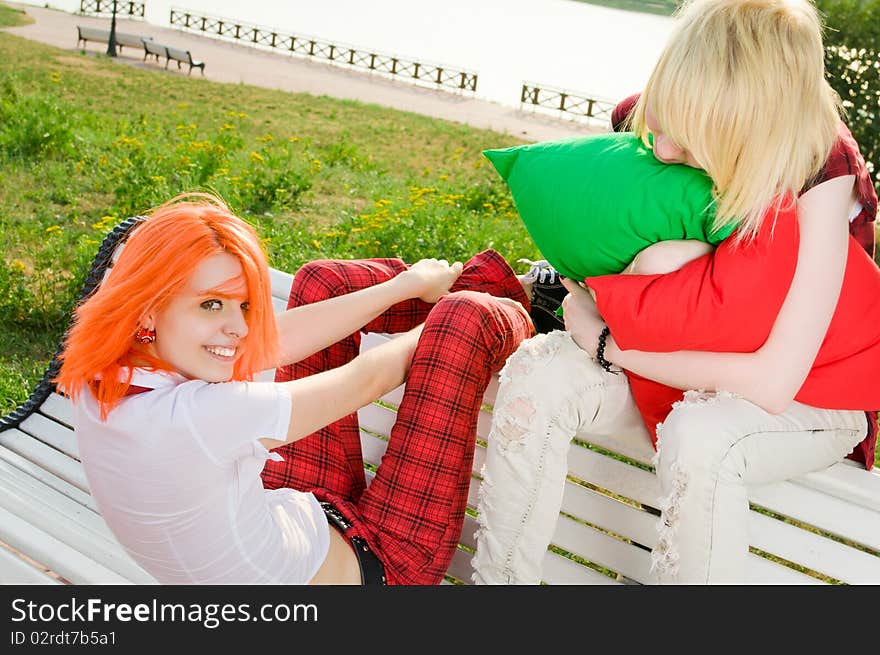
<point>712,447</point>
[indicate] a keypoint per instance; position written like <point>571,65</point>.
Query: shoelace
<point>540,271</point>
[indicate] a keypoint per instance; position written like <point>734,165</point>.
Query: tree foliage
<point>852,60</point>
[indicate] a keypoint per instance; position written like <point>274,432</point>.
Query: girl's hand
<point>581,317</point>
<point>429,279</point>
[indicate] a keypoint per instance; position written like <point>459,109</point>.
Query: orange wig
<point>155,263</point>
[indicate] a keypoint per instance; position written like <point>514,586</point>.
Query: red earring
<point>145,335</point>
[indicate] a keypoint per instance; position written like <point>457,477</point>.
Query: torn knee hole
<point>514,419</point>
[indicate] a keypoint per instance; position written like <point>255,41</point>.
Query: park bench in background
<point>820,527</point>
<point>131,40</point>
<point>151,48</point>
<point>183,57</point>
<point>86,34</point>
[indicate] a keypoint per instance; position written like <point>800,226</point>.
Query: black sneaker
<point>547,295</point>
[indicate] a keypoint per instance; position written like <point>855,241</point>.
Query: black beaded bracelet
<point>600,350</point>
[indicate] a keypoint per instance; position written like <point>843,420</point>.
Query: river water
<point>591,50</point>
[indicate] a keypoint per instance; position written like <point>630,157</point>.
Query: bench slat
<point>66,521</point>
<point>42,473</point>
<point>281,282</point>
<point>848,481</point>
<point>15,570</point>
<point>278,304</point>
<point>560,570</point>
<point>58,408</point>
<point>52,433</point>
<point>604,550</point>
<point>611,474</point>
<point>827,513</point>
<point>813,551</point>
<point>761,571</point>
<point>633,446</point>
<point>54,461</point>
<point>54,553</point>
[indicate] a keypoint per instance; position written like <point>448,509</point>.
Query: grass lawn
<point>10,17</point>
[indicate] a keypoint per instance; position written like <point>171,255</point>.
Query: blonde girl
<point>740,92</point>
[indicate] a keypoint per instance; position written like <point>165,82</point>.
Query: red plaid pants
<point>412,512</point>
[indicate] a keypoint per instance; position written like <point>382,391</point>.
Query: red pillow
<point>728,302</point>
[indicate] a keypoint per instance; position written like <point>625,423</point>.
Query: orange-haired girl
<point>173,433</point>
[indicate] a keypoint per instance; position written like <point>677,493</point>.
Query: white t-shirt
<point>175,473</point>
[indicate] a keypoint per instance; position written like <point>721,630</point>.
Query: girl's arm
<point>307,329</point>
<point>771,376</point>
<point>321,399</point>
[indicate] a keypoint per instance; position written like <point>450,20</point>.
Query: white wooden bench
<point>826,523</point>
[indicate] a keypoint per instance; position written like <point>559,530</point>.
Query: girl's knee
<point>547,369</point>
<point>462,304</point>
<point>316,280</point>
<point>462,315</point>
<point>693,435</point>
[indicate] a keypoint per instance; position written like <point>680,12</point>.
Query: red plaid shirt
<point>845,158</point>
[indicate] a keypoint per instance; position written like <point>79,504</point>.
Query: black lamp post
<point>111,42</point>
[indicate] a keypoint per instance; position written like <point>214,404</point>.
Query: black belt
<point>372,571</point>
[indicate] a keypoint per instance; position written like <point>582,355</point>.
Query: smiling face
<point>201,330</point>
<point>665,149</point>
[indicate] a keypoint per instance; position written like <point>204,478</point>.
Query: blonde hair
<point>155,263</point>
<point>741,85</point>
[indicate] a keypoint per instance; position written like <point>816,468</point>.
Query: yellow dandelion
<point>53,228</point>
<point>257,157</point>
<point>316,243</point>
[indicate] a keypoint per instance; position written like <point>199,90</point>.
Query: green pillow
<point>592,203</point>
